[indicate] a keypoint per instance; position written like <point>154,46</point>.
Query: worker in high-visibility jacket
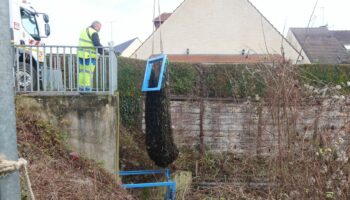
<point>89,47</point>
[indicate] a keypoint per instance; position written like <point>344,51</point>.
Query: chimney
<point>159,20</point>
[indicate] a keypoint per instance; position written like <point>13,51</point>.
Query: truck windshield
<point>29,23</point>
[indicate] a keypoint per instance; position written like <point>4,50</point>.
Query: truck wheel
<point>24,79</point>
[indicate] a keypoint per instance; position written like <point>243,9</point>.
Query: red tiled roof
<point>163,17</point>
<point>225,59</point>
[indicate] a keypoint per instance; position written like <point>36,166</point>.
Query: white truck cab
<point>28,27</point>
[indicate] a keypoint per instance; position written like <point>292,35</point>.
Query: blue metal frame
<point>171,185</point>
<point>150,62</point>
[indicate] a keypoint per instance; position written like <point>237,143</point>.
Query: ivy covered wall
<point>219,81</point>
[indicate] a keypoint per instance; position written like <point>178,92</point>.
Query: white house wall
<point>292,39</point>
<point>216,27</point>
<point>132,48</point>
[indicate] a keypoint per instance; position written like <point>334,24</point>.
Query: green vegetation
<point>183,78</point>
<point>218,81</point>
<point>225,81</point>
<point>237,81</point>
<point>130,79</point>
<point>322,75</point>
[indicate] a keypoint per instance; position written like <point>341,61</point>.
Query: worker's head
<point>96,25</point>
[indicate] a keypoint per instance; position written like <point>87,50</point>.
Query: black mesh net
<point>159,140</point>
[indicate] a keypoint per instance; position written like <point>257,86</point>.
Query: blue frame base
<point>171,185</point>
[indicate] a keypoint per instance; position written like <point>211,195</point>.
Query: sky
<point>123,20</point>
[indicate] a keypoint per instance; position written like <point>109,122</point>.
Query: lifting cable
<point>159,27</point>
<point>154,12</point>
<point>160,30</point>
<point>159,138</point>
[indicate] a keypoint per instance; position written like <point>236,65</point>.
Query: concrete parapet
<point>91,122</point>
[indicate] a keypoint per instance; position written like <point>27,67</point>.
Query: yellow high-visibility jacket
<point>89,50</point>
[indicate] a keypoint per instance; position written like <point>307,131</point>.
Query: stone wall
<point>251,127</point>
<point>90,122</point>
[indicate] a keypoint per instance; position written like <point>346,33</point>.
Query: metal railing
<point>57,69</point>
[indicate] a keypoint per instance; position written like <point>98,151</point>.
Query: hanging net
<point>159,140</point>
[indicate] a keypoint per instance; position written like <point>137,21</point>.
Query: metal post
<point>113,70</point>
<point>116,70</point>
<point>117,139</point>
<point>9,185</point>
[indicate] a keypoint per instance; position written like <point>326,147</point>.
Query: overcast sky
<point>125,19</point>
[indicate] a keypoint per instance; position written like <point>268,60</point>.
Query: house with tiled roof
<point>157,21</point>
<point>126,49</point>
<point>343,36</point>
<point>216,31</point>
<point>320,45</point>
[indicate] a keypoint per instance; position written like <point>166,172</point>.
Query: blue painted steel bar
<point>170,185</point>
<point>173,192</point>
<point>160,57</point>
<point>168,189</point>
<point>143,185</point>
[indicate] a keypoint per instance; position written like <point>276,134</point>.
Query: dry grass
<point>299,167</point>
<point>54,173</point>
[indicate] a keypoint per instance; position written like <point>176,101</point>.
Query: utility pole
<point>9,185</point>
<point>112,29</point>
<point>322,10</point>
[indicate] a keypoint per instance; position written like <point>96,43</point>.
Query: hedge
<point>219,81</point>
